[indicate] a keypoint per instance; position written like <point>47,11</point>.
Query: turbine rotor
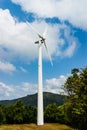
<point>41,40</point>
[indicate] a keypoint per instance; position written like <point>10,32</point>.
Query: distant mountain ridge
<point>31,100</point>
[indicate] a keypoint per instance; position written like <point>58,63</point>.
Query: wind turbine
<point>40,42</point>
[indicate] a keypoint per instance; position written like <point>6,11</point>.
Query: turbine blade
<point>45,32</point>
<point>48,53</point>
<point>37,42</point>
<point>35,30</point>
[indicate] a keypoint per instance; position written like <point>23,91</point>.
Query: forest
<point>73,112</point>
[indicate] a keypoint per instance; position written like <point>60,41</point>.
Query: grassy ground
<point>35,127</point>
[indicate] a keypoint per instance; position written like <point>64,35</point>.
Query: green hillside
<point>31,100</point>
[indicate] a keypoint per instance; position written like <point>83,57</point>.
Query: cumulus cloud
<point>53,85</point>
<point>17,38</point>
<point>5,91</point>
<point>16,91</point>
<point>73,11</point>
<point>69,51</point>
<point>7,67</point>
<point>29,87</point>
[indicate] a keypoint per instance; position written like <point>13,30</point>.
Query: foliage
<point>50,113</point>
<point>76,106</point>
<point>9,114</point>
<point>17,114</point>
<point>54,114</point>
<point>2,115</point>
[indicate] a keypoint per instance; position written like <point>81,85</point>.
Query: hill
<point>31,100</point>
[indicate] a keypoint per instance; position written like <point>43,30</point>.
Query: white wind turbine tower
<point>40,42</point>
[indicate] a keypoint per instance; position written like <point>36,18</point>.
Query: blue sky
<point>66,23</point>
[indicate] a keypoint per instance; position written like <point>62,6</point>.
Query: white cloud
<point>17,38</point>
<point>53,85</point>
<point>16,91</point>
<point>69,51</point>
<point>74,11</point>
<point>68,44</point>
<point>5,91</point>
<point>29,87</point>
<point>7,67</point>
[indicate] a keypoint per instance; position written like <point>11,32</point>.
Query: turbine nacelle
<point>41,41</point>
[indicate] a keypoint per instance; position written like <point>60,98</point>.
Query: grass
<point>35,127</point>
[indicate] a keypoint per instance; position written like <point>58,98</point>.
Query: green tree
<point>2,115</point>
<point>19,108</point>
<point>30,114</point>
<point>76,106</point>
<point>54,114</point>
<point>9,113</point>
<point>50,113</point>
<point>60,116</point>
<point>19,113</point>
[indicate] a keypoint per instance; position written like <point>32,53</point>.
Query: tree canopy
<point>76,106</point>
